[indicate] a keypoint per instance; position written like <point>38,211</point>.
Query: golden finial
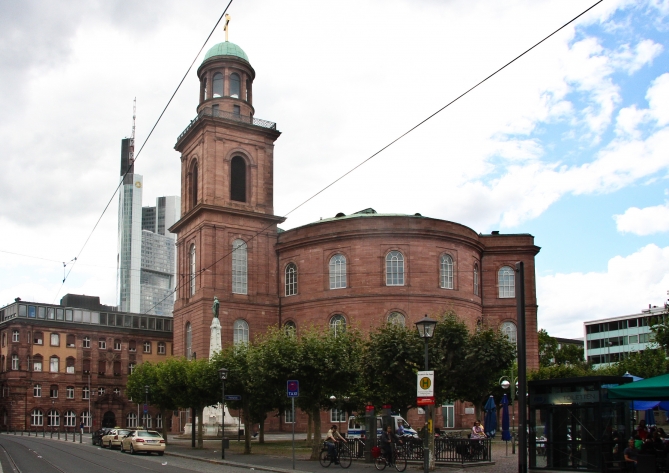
<point>225,28</point>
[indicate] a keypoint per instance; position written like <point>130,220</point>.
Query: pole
<point>192,427</point>
<point>426,444</point>
<point>223,419</point>
<point>90,414</point>
<point>292,399</point>
<point>522,368</point>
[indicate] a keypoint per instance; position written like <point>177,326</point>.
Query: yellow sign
<point>425,383</point>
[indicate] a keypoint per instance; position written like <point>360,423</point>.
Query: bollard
<point>51,432</point>
<point>58,434</point>
<point>21,432</point>
<point>43,433</point>
<point>66,435</point>
<point>81,434</point>
<point>74,435</point>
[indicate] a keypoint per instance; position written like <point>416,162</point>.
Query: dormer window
<point>217,83</point>
<point>234,85</point>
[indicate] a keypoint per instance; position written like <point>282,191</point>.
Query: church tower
<point>228,231</point>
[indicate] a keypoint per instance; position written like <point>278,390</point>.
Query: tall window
<point>509,329</point>
<point>15,335</point>
<point>397,318</point>
<point>147,347</point>
<point>37,390</point>
<point>86,418</point>
<point>15,362</point>
<point>238,179</point>
<point>37,363</point>
<point>146,421</point>
<point>161,348</point>
<point>117,344</point>
<point>217,85</point>
<point>288,416</point>
<point>131,368</point>
<point>338,272</point>
<point>69,392</point>
<point>337,324</point>
<point>506,282</point>
<point>159,421</point>
<point>70,419</point>
<point>394,269</point>
<point>448,410</point>
<point>53,418</point>
<point>446,272</point>
<point>37,418</point>
<point>291,279</point>
<point>193,185</point>
<point>192,269</point>
<point>69,341</point>
<point>69,365</point>
<point>189,341</point>
<point>239,266</point>
<point>337,415</point>
<point>53,392</point>
<point>54,364</point>
<point>234,85</point>
<point>131,420</point>
<point>87,342</point>
<point>476,279</point>
<point>85,392</point>
<point>55,340</point>
<point>102,344</point>
<point>240,332</point>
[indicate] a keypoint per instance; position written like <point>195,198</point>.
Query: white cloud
<point>628,286</point>
<point>644,221</point>
<point>658,99</point>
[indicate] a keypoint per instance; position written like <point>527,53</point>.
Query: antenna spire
<point>225,28</point>
<point>131,150</point>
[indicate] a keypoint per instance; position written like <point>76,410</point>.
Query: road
<point>42,455</point>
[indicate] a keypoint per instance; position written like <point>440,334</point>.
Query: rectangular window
<point>85,393</point>
<point>161,348</point>
<point>31,311</point>
<point>448,411</point>
<point>69,341</point>
<point>634,339</point>
<point>117,344</point>
<point>15,336</point>
<point>37,366</point>
<point>68,315</point>
<point>78,315</point>
<point>236,110</point>
<point>37,390</point>
<point>101,391</point>
<point>15,362</point>
<point>102,366</point>
<point>86,316</point>
<point>22,311</point>
<point>54,391</point>
<point>117,368</point>
<point>37,338</point>
<point>103,319</point>
<point>41,312</point>
<point>337,415</point>
<point>159,324</point>
<point>69,363</point>
<point>59,314</point>
<point>55,340</point>
<point>87,342</point>
<point>53,367</point>
<point>102,344</point>
<point>147,347</point>
<point>70,392</point>
<point>132,345</point>
<point>152,324</point>
<point>288,416</point>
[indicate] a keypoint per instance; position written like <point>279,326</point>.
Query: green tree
<point>645,364</point>
<point>569,354</point>
<point>548,346</point>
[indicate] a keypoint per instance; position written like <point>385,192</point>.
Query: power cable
<point>398,138</point>
<point>144,144</point>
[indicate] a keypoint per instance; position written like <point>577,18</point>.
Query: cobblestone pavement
<point>504,462</point>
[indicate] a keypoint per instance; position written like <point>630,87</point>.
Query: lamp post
<point>506,384</point>
<point>146,408</point>
<point>223,375</point>
<point>333,399</point>
<point>425,328</point>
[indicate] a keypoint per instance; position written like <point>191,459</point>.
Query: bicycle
<point>399,460</point>
<point>343,453</point>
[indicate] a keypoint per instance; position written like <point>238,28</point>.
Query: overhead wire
<point>422,122</point>
<point>144,144</point>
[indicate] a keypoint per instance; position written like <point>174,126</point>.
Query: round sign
<point>292,385</point>
<point>425,383</point>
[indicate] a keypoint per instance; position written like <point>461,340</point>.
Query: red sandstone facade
<point>288,274</point>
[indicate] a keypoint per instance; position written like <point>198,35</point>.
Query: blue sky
<point>569,143</point>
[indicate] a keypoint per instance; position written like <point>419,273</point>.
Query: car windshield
<point>149,434</point>
<point>124,432</point>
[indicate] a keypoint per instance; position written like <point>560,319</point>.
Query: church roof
<point>364,213</point>
<point>226,49</point>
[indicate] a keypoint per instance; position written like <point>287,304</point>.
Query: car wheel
<point>111,447</point>
<point>132,449</point>
<point>122,449</point>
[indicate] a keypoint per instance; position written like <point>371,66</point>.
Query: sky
<point>569,143</point>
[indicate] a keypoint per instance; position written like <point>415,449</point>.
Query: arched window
<point>240,332</point>
<point>397,318</point>
<point>204,89</point>
<point>217,85</point>
<point>37,418</point>
<point>337,324</point>
<point>338,272</point>
<point>394,269</point>
<point>234,85</point>
<point>291,279</point>
<point>131,420</point>
<point>192,269</point>
<point>239,267</point>
<point>193,185</point>
<point>69,365</point>
<point>70,419</point>
<point>53,418</point>
<point>37,363</point>
<point>509,329</point>
<point>238,179</point>
<point>189,342</point>
<point>476,279</point>
<point>446,272</point>
<point>506,282</point>
<point>290,328</point>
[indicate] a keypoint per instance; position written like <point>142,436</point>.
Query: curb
<point>237,464</point>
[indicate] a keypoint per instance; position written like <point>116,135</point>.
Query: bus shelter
<point>573,425</point>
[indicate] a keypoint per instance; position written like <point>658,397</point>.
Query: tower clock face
<point>138,184</point>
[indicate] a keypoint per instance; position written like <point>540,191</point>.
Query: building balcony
<point>228,116</point>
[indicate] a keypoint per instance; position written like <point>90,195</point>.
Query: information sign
<point>425,387</point>
<point>233,397</point>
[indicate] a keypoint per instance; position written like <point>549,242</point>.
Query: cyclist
<point>387,440</point>
<point>331,441</point>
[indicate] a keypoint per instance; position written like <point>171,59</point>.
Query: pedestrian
<point>81,428</point>
<point>630,455</point>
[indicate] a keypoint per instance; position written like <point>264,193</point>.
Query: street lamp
<point>146,407</point>
<point>506,384</point>
<point>223,375</point>
<point>333,399</point>
<point>425,328</point>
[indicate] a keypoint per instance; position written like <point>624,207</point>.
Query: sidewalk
<point>284,464</point>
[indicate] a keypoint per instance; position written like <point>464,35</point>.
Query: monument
<point>213,415</point>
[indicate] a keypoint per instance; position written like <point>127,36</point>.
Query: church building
<point>363,269</point>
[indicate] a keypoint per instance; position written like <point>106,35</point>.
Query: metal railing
<point>212,112</point>
<point>447,450</point>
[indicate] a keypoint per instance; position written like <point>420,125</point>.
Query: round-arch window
<point>238,179</point>
<point>509,329</point>
<point>397,318</point>
<point>338,324</point>
<point>240,332</point>
<point>290,328</point>
<point>234,85</point>
<point>218,85</point>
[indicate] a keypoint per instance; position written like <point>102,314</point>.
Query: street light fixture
<point>223,375</point>
<point>506,384</point>
<point>425,328</point>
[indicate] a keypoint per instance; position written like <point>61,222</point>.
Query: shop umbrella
<point>490,419</point>
<point>650,418</point>
<point>506,433</point>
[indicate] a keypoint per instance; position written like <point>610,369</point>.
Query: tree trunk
<point>164,429</point>
<point>200,425</point>
<point>247,429</point>
<point>261,430</point>
<point>309,426</point>
<point>316,445</point>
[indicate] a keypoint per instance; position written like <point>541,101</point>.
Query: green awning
<point>649,389</point>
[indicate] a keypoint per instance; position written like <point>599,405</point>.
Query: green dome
<point>226,49</point>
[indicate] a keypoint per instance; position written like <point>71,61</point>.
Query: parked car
<point>143,441</point>
<point>98,434</point>
<point>113,437</point>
